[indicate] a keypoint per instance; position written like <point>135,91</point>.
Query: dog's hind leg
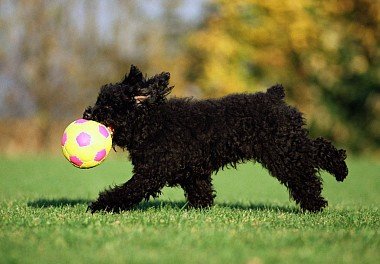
<point>304,186</point>
<point>291,161</point>
<point>330,159</point>
<point>199,191</point>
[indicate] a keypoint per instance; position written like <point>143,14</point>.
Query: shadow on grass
<point>157,204</point>
<point>261,207</point>
<point>61,202</point>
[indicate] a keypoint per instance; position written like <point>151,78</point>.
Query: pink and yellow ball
<point>86,143</point>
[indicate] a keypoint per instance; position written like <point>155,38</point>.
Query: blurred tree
<point>58,53</point>
<point>346,67</point>
<point>326,53</point>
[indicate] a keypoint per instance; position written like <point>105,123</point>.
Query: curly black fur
<point>182,141</point>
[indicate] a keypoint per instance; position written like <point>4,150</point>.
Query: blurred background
<point>55,55</point>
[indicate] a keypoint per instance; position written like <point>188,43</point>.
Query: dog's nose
<point>88,113</point>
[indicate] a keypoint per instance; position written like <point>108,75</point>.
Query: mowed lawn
<point>43,218</point>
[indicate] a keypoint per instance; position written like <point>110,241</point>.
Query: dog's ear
<point>158,88</point>
<point>150,91</point>
<point>134,77</point>
<point>153,91</point>
<point>134,84</point>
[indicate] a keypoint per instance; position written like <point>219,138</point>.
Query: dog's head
<point>120,102</point>
<point>119,106</point>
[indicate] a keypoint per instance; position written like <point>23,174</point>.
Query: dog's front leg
<point>127,195</point>
<point>199,191</point>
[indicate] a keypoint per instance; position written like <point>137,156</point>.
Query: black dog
<point>182,141</point>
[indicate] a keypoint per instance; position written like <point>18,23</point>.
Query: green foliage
<point>43,219</point>
<point>326,53</point>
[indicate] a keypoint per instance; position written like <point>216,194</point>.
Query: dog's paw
<point>97,206</point>
<point>93,207</point>
<point>314,206</point>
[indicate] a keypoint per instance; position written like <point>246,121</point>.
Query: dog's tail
<point>277,91</point>
<point>330,159</point>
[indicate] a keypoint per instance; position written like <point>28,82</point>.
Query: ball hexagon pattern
<point>86,143</point>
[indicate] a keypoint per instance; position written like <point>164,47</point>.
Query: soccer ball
<point>86,143</point>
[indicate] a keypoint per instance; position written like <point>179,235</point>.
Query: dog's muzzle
<point>88,113</point>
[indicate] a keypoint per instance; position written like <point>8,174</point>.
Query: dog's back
<point>218,132</point>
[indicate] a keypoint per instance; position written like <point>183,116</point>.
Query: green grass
<point>43,220</point>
